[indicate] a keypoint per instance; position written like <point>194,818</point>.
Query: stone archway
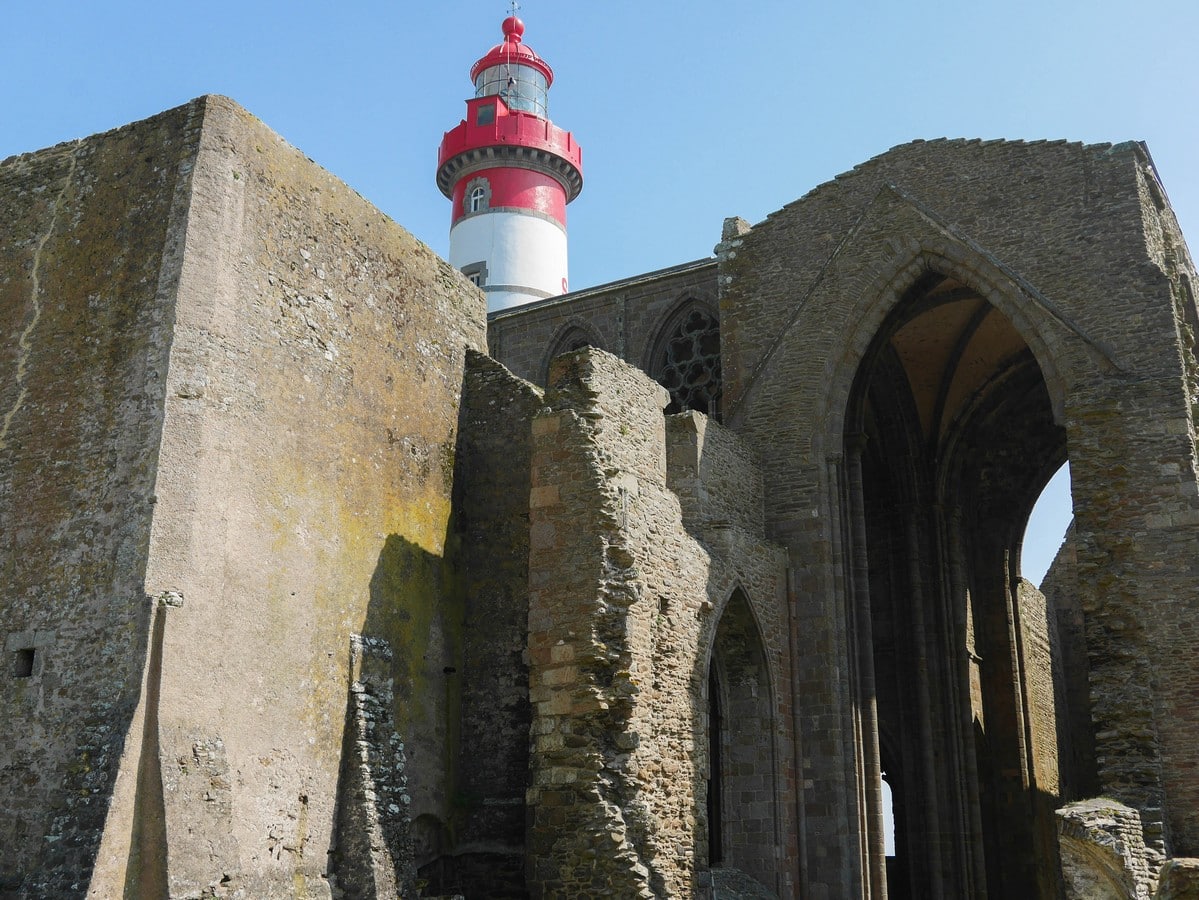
<point>950,436</point>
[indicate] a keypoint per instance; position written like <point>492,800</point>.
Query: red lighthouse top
<point>507,122</point>
<point>511,51</point>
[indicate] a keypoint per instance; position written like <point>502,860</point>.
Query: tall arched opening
<point>742,823</point>
<point>950,438</point>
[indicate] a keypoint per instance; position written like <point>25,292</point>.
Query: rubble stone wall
<point>624,607</point>
<point>614,583</point>
<point>491,528</point>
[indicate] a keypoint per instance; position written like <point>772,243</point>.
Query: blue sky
<point>687,113</point>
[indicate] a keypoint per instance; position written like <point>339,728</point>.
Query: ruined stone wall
<point>1103,852</point>
<point>624,607</point>
<point>718,482</point>
<point>1076,733</point>
<point>625,318</point>
<point>304,497</point>
<point>1046,711</point>
<point>617,594</point>
<point>1042,656</point>
<point>90,235</point>
<point>1165,562</point>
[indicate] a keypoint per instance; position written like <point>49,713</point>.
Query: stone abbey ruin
<point>318,582</point>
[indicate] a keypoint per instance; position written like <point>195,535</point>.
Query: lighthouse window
<point>477,273</point>
<point>521,88</point>
<point>478,195</point>
<point>485,115</point>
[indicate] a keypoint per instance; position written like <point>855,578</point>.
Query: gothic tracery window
<point>689,364</point>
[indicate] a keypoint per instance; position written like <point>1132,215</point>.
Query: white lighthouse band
<point>515,256</point>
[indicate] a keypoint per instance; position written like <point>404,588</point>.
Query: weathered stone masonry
<point>304,595</point>
<point>856,327</point>
<point>238,390</point>
<point>90,236</point>
<point>604,597</point>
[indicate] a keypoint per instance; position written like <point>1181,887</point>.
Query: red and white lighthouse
<point>510,173</point>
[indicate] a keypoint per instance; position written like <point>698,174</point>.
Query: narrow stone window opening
<point>23,663</point>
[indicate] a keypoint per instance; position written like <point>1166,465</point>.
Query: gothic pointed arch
<point>684,357</point>
<point>570,336</point>
<point>741,796</point>
<point>963,271</point>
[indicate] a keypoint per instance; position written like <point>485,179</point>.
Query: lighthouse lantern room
<point>510,173</point>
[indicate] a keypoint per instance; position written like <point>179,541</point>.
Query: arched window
<point>477,197</point>
<point>688,363</point>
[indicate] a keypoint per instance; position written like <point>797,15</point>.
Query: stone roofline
<point>632,281</point>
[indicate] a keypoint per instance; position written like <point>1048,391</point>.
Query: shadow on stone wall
<point>374,853</point>
<point>146,874</point>
<point>431,793</point>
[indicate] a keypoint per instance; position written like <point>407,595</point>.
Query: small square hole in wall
<point>23,664</point>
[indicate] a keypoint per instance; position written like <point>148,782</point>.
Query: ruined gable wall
<point>1067,223</point>
<point>304,497</point>
<point>90,236</point>
<point>1047,205</point>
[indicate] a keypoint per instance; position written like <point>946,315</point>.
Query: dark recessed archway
<point>741,780</point>
<point>950,437</point>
